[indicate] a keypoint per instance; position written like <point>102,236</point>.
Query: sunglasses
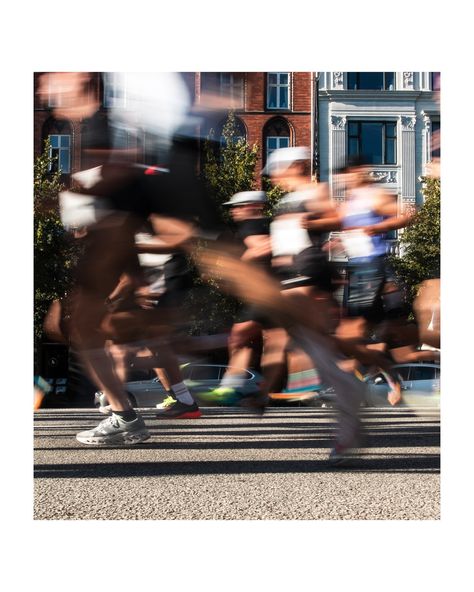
<point>245,205</point>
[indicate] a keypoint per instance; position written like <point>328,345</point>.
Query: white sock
<point>233,381</point>
<point>182,393</point>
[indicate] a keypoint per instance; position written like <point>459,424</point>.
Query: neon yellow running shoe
<point>222,395</point>
<point>166,403</point>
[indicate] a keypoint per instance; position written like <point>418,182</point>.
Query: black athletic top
<point>311,265</point>
<point>255,227</point>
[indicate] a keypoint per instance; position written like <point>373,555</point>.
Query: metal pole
<point>316,160</point>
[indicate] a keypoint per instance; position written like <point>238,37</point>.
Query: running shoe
<point>166,402</point>
<point>105,409</point>
<point>178,410</point>
<point>115,430</point>
<point>222,395</point>
<point>257,402</point>
<point>103,406</point>
<point>341,454</point>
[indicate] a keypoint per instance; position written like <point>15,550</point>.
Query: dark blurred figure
<point>145,311</point>
<point>302,220</point>
<point>116,198</point>
<point>296,310</point>
<point>246,337</point>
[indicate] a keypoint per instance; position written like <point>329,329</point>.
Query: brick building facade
<point>278,109</point>
<point>274,109</point>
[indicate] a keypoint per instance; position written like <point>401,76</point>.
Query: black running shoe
<point>256,402</point>
<point>179,410</point>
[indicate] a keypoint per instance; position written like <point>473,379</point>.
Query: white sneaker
<point>115,430</point>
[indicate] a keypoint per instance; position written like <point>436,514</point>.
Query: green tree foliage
<point>227,169</point>
<point>420,242</point>
<point>54,252</point>
<point>230,169</point>
<point>274,194</point>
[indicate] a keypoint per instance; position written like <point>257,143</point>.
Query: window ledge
<point>372,94</point>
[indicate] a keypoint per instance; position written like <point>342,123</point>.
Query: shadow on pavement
<point>425,463</point>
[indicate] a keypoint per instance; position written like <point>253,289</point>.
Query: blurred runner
<point>147,317</point>
<point>302,315</point>
<point>299,230</point>
<point>246,334</point>
<point>302,220</point>
<point>116,198</point>
<point>366,216</point>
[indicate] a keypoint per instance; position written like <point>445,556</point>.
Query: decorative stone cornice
<point>408,80</point>
<point>338,122</point>
<point>408,123</point>
<point>385,176</point>
<point>338,80</point>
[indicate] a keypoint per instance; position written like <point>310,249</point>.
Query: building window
<point>62,85</point>
<point>371,80</point>
<point>373,141</point>
<point>239,133</point>
<point>114,90</point>
<point>278,90</point>
<point>435,140</point>
<point>276,134</point>
<point>60,152</point>
<point>121,138</point>
<point>274,142</point>
<point>436,81</point>
<point>231,85</point>
<point>55,90</point>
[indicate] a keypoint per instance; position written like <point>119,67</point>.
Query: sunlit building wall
<point>388,118</point>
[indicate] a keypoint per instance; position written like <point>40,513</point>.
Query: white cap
<point>283,158</point>
<point>247,197</point>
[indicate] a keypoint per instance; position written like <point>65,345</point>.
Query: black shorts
<point>364,289</point>
<point>253,313</point>
<point>313,264</point>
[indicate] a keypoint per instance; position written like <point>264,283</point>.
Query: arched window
<point>240,132</point>
<point>276,134</point>
<point>60,137</point>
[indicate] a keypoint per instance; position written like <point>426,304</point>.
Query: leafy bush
<point>420,242</point>
<point>54,251</point>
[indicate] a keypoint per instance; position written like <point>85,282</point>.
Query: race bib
<point>288,237</point>
<point>357,244</point>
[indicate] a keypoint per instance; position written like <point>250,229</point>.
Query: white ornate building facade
<point>388,118</point>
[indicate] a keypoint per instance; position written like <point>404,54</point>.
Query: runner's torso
<point>359,213</point>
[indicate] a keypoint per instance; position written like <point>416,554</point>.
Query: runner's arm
<point>322,215</point>
<point>386,205</point>
<point>171,235</point>
<point>257,247</point>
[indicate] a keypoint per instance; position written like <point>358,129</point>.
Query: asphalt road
<point>232,465</point>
